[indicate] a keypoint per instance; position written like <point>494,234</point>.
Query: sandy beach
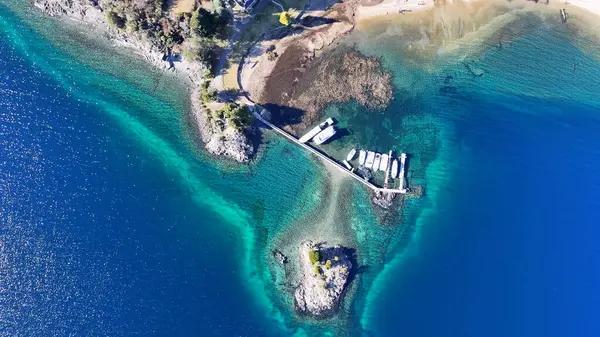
<point>592,6</point>
<point>366,10</point>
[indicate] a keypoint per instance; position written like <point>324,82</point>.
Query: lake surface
<point>115,223</point>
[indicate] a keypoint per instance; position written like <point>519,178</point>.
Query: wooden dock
<point>325,157</point>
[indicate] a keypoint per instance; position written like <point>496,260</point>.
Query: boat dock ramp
<point>347,169</point>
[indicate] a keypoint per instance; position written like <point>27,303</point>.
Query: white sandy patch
<point>394,7</point>
<point>592,6</point>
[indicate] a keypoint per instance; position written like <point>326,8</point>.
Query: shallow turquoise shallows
<point>114,222</point>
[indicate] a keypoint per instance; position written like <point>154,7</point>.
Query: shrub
<point>317,270</point>
<point>115,20</point>
<point>133,26</point>
<point>314,256</point>
<point>159,6</point>
<point>328,264</point>
<point>271,56</point>
<point>219,6</point>
<point>207,94</point>
<point>284,18</point>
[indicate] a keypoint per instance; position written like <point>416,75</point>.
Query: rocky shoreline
<point>228,142</point>
<point>325,273</point>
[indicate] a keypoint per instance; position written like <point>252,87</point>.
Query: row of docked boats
<point>375,161</point>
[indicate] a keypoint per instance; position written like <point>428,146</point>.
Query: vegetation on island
<point>232,114</point>
<point>149,19</point>
<point>207,94</point>
<point>314,256</point>
<point>196,35</point>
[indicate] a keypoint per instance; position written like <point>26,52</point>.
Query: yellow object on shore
<point>284,18</point>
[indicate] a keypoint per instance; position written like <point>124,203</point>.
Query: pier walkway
<point>256,107</point>
<point>323,156</point>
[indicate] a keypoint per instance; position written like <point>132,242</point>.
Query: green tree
<point>201,50</point>
<point>206,93</point>
<point>328,264</point>
<point>238,116</point>
<point>202,23</point>
<point>314,256</point>
<point>317,270</point>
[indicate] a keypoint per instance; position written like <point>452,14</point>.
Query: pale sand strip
<point>592,6</point>
<point>394,7</point>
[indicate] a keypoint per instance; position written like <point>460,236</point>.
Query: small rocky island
<point>325,272</point>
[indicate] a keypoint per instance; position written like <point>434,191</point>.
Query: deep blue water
<point>508,247</point>
<point>113,224</point>
<point>96,238</point>
<point>510,250</point>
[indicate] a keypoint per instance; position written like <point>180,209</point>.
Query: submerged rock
<point>280,256</point>
<point>383,200</point>
<point>324,275</point>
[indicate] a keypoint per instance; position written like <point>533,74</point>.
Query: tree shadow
<point>284,115</point>
<point>231,95</point>
<point>315,21</point>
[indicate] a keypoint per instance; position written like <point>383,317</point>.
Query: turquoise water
<point>114,222</point>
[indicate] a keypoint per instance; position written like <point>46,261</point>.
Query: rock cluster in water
<point>324,275</point>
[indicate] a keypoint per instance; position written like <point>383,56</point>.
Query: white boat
<point>324,135</point>
<point>394,169</point>
<point>351,155</point>
<point>370,159</point>
<point>310,134</point>
<point>347,164</point>
<point>384,162</point>
<point>377,161</point>
<point>362,157</point>
<point>402,163</point>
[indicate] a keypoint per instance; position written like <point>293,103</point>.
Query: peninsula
<point>234,54</point>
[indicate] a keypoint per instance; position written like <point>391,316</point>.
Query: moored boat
<point>394,169</point>
<point>362,157</point>
<point>377,161</point>
<point>384,162</point>
<point>370,159</point>
<point>351,155</point>
<point>310,134</point>
<point>324,135</point>
<point>347,164</point>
